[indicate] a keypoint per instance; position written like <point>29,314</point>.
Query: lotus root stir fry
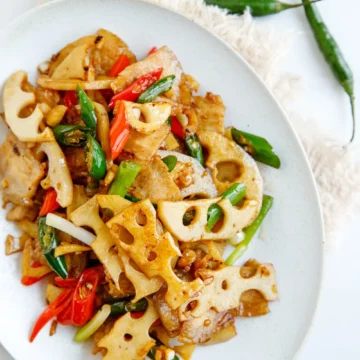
<point>126,187</point>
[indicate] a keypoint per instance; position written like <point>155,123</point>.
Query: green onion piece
<point>256,146</point>
<point>125,176</point>
<point>94,324</point>
<point>250,231</point>
<point>235,193</point>
<point>170,161</point>
<point>87,108</point>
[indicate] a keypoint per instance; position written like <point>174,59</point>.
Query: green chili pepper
<point>170,161</point>
<point>122,307</point>
<point>169,121</point>
<point>332,54</point>
<point>155,90</point>
<point>194,148</point>
<point>72,135</point>
<point>235,193</point>
<point>87,108</point>
<point>49,240</point>
<point>250,231</point>
<point>125,176</point>
<point>95,159</point>
<point>94,324</point>
<point>258,147</point>
<point>256,7</point>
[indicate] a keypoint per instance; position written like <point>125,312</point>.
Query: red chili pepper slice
<point>153,50</point>
<point>132,92</point>
<point>83,302</point>
<point>30,280</point>
<point>120,64</point>
<point>70,99</point>
<point>119,132</point>
<point>35,265</point>
<point>66,283</point>
<point>156,323</point>
<point>137,315</point>
<point>50,204</point>
<point>55,308</point>
<point>65,317</point>
<point>176,128</point>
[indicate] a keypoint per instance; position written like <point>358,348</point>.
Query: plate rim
<point>6,30</point>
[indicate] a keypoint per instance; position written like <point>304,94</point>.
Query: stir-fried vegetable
<point>95,159</point>
<point>250,231</point>
<point>125,176</point>
<point>83,302</point>
<point>258,147</point>
<point>120,64</point>
<point>55,308</point>
<point>194,148</point>
<point>256,7</point>
<point>49,240</point>
<point>94,324</point>
<point>50,204</point>
<point>131,198</point>
<point>68,227</point>
<point>87,108</point>
<point>133,92</point>
<point>72,135</point>
<point>160,87</point>
<point>234,194</point>
<point>170,161</point>
<point>119,132</point>
<point>122,307</point>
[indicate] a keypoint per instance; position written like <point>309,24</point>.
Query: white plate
<point>292,236</point>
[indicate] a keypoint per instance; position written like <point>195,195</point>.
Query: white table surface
<point>335,333</point>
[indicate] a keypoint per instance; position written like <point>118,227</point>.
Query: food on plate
<point>126,186</point>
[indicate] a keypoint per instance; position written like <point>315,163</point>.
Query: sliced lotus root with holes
<point>229,164</point>
<point>142,284</point>
<point>235,219</point>
<point>224,288</point>
<point>104,244</point>
<point>129,338</point>
<point>135,230</point>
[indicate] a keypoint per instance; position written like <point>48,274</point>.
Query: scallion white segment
<point>68,227</point>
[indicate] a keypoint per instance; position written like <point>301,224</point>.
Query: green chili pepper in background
<point>251,230</point>
<point>155,90</point>
<point>94,324</point>
<point>122,307</point>
<point>87,108</point>
<point>95,159</point>
<point>125,176</point>
<point>333,55</point>
<point>72,135</point>
<point>194,148</point>
<point>256,146</point>
<point>170,161</point>
<point>49,240</point>
<point>256,7</point>
<point>169,121</point>
<point>235,193</point>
